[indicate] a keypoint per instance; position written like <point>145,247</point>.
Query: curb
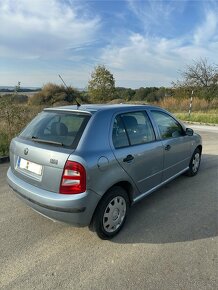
<point>4,159</point>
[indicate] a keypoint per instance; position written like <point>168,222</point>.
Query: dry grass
<point>202,111</point>
<point>182,105</point>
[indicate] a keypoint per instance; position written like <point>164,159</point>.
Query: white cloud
<point>38,28</point>
<point>147,61</point>
<point>207,30</point>
<point>153,14</point>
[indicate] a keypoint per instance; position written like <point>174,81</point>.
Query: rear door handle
<point>167,147</point>
<point>128,158</point>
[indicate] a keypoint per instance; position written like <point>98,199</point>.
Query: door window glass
<point>139,128</point>
<point>132,128</point>
<point>119,136</point>
<point>168,126</point>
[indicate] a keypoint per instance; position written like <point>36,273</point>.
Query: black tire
<point>111,213</point>
<point>194,163</point>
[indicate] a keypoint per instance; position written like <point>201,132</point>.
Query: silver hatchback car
<point>86,165</point>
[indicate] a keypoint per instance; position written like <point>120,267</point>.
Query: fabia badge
<point>54,161</point>
<point>26,150</point>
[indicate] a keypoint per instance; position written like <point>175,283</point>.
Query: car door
<point>137,150</point>
<point>175,142</point>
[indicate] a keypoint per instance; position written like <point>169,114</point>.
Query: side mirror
<point>189,132</point>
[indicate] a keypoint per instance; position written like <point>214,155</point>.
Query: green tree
<point>124,93</point>
<point>201,77</point>
<point>101,87</point>
<point>142,93</point>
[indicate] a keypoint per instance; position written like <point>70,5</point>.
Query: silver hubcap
<point>196,162</point>
<point>114,214</point>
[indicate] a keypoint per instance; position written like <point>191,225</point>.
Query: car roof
<point>92,108</point>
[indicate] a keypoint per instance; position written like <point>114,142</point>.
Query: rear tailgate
<point>38,164</point>
<point>39,153</point>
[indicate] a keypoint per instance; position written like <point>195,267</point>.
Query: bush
<point>14,98</point>
<point>4,144</point>
<point>13,118</point>
<point>20,99</point>
<point>52,93</point>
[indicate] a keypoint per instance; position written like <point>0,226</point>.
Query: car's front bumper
<point>74,209</point>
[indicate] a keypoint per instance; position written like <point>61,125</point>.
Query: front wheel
<point>111,213</point>
<point>194,163</point>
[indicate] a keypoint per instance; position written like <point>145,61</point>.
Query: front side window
<point>132,129</point>
<point>168,126</point>
<point>57,128</point>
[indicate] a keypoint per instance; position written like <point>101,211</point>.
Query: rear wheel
<point>111,213</point>
<point>194,163</point>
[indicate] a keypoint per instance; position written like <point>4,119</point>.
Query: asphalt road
<point>169,241</point>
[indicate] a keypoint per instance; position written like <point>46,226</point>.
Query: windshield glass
<point>57,128</point>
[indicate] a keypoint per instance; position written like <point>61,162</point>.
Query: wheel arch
<point>126,185</point>
<point>200,148</point>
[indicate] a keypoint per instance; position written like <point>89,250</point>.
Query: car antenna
<point>77,103</point>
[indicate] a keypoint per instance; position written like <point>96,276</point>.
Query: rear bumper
<point>74,209</point>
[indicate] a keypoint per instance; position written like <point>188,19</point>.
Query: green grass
<point>201,117</point>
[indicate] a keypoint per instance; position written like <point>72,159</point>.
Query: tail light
<point>73,179</point>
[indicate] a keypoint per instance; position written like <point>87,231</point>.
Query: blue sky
<point>143,43</point>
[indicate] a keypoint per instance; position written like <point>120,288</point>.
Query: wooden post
<point>190,105</point>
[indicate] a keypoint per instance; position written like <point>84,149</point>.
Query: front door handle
<point>128,158</point>
<point>167,147</point>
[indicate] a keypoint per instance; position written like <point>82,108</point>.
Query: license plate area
<point>29,168</point>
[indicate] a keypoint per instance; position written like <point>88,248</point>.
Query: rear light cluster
<point>73,179</point>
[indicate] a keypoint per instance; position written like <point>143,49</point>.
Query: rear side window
<point>119,135</point>
<point>132,129</point>
<point>59,128</point>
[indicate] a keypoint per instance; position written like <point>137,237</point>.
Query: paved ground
<point>169,242</point>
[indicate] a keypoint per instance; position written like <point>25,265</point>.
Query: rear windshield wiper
<point>36,139</point>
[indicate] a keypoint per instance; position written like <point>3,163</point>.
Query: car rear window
<point>57,128</point>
